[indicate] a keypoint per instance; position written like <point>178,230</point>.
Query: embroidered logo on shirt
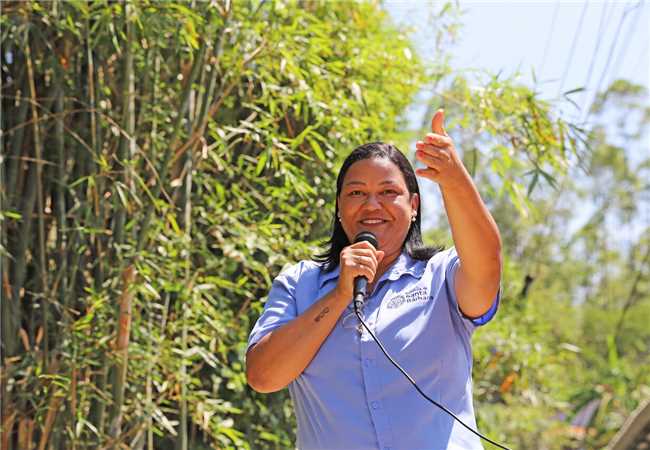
<point>417,295</point>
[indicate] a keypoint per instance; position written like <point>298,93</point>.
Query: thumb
<point>380,255</point>
<point>438,122</point>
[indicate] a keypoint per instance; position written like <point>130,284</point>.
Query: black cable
<point>601,32</point>
<point>444,408</point>
<point>610,56</point>
<point>573,47</point>
<point>548,40</point>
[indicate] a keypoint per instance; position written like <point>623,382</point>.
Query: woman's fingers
<point>363,262</point>
<point>438,140</point>
<point>367,249</point>
<point>435,162</point>
<point>354,266</point>
<point>366,261</point>
<point>431,174</point>
<point>358,259</point>
<point>432,151</point>
<point>362,257</point>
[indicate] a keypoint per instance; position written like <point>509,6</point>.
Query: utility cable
<point>444,408</point>
<point>573,47</point>
<point>601,31</point>
<point>610,55</point>
<point>626,41</point>
<point>548,40</point>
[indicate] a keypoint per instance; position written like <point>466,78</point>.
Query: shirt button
<point>375,405</point>
<point>386,448</point>
<point>368,362</point>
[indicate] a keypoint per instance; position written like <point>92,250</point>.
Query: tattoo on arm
<point>322,314</point>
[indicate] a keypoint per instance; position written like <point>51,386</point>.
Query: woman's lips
<point>372,222</point>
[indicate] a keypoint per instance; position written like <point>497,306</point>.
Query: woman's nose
<point>372,202</point>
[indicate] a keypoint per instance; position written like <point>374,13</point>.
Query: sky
<point>568,44</point>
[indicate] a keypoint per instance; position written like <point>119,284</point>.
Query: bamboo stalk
<point>8,420</point>
<point>25,433</point>
<point>126,145</point>
<point>97,413</point>
<point>186,305</point>
<point>7,305</point>
<point>121,350</point>
<point>95,138</point>
<point>150,361</point>
<point>39,196</point>
<point>118,374</point>
<point>52,409</point>
<point>97,406</point>
<point>200,121</point>
<point>60,182</point>
<point>163,168</point>
<point>18,249</point>
<point>16,149</point>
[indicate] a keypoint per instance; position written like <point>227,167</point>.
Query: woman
<point>422,304</point>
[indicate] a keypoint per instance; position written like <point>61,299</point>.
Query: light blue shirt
<point>350,396</point>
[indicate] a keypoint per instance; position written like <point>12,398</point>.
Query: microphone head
<point>367,236</point>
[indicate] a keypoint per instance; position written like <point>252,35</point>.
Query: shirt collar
<point>404,264</point>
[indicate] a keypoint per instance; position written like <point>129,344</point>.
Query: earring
<point>338,216</point>
<point>413,218</point>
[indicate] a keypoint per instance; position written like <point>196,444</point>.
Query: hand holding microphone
<point>358,264</point>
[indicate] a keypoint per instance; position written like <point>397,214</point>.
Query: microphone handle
<point>360,288</point>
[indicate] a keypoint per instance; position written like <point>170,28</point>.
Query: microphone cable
<point>444,408</point>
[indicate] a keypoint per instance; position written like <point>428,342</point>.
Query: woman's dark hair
<point>413,242</point>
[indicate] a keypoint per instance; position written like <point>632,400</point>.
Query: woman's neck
<point>384,265</point>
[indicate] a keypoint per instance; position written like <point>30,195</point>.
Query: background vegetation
<point>161,162</point>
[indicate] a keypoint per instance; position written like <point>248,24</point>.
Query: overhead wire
<point>601,32</point>
<point>548,40</point>
<point>610,55</point>
<point>630,33</point>
<point>573,46</point>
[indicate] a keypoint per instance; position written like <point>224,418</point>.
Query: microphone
<point>361,282</point>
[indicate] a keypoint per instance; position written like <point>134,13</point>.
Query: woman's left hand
<point>438,154</point>
<point>475,233</point>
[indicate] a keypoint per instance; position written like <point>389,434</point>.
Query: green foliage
<point>162,161</point>
<point>195,144</point>
<point>573,323</point>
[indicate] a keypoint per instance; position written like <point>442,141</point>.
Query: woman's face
<point>374,198</point>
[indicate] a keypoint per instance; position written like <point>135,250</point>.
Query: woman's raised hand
<point>437,152</point>
<point>358,259</point>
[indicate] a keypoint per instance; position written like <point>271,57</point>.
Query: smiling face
<point>374,197</point>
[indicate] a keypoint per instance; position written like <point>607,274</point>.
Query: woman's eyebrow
<point>362,183</point>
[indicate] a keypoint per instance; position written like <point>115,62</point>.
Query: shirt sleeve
<point>453,262</point>
<point>280,306</point>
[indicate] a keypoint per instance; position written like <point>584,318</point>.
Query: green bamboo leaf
<point>549,178</point>
<point>11,215</point>
<point>301,137</point>
<point>167,424</point>
<point>533,183</point>
<point>261,163</point>
<point>317,149</point>
<point>172,221</point>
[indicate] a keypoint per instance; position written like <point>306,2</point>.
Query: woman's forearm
<point>475,233</point>
<point>478,244</point>
<point>280,356</point>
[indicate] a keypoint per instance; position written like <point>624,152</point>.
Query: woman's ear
<point>415,202</point>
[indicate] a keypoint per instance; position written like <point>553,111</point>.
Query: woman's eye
<point>390,192</point>
<point>355,193</point>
